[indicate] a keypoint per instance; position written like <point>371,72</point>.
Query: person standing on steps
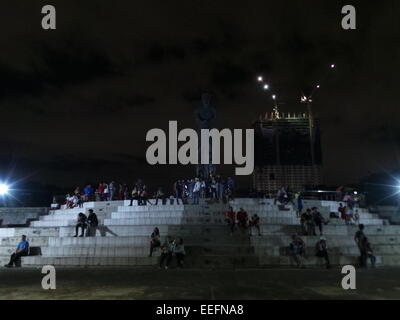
<point>318,220</point>
<point>359,238</point>
<point>196,191</point>
<point>299,204</point>
<point>178,190</point>
<point>369,252</point>
<point>81,223</point>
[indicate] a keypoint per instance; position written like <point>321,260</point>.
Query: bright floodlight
<point>332,66</point>
<point>3,189</point>
<point>266,87</point>
<point>318,86</point>
<point>273,96</point>
<point>260,78</point>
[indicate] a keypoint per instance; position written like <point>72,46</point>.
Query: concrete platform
<point>122,238</point>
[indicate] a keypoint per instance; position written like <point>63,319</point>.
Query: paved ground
<point>149,283</point>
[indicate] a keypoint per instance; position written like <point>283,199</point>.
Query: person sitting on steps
<point>242,219</point>
<point>254,223</point>
<point>179,251</point>
<point>135,196</point>
<point>92,223</point>
<point>155,240</point>
<point>297,250</point>
<point>322,250</point>
<point>22,250</point>
<point>82,219</point>
<point>167,250</point>
<point>230,218</point>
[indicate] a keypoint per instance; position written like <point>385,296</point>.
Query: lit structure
<point>287,147</point>
<point>287,152</point>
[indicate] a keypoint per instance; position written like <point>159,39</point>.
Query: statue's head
<point>206,98</point>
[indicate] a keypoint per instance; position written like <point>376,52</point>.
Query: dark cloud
<point>77,102</point>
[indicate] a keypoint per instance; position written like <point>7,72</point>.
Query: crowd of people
<point>186,191</point>
<point>218,189</point>
<point>312,218</point>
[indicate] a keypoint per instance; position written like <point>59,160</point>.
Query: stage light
<point>332,66</point>
<point>318,86</point>
<point>266,86</point>
<point>3,189</point>
<point>273,96</point>
<point>260,78</point>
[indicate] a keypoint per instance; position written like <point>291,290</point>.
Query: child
<point>356,218</point>
<point>166,252</point>
<point>370,253</point>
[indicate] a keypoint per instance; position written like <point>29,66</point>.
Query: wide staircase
<point>122,238</point>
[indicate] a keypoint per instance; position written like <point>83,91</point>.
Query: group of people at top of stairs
<point>172,247</point>
<point>88,223</point>
<point>241,221</point>
<point>187,191</point>
<point>110,192</point>
<point>297,248</point>
<point>214,187</point>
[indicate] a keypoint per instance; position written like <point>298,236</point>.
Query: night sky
<point>76,103</point>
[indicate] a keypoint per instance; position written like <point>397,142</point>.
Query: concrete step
<point>67,217</point>
<point>313,261</point>
<point>342,250</point>
<point>221,261</point>
<point>187,220</point>
<point>181,214</point>
<point>144,240</point>
<point>88,261</point>
<point>332,240</point>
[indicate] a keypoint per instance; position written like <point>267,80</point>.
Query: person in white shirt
<point>196,191</point>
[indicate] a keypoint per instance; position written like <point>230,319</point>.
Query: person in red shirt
<point>230,218</point>
<point>100,189</point>
<point>342,210</point>
<point>242,218</point>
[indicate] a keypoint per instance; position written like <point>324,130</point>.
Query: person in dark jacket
<point>92,223</point>
<point>318,220</point>
<point>155,240</point>
<point>321,250</point>
<point>81,223</point>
